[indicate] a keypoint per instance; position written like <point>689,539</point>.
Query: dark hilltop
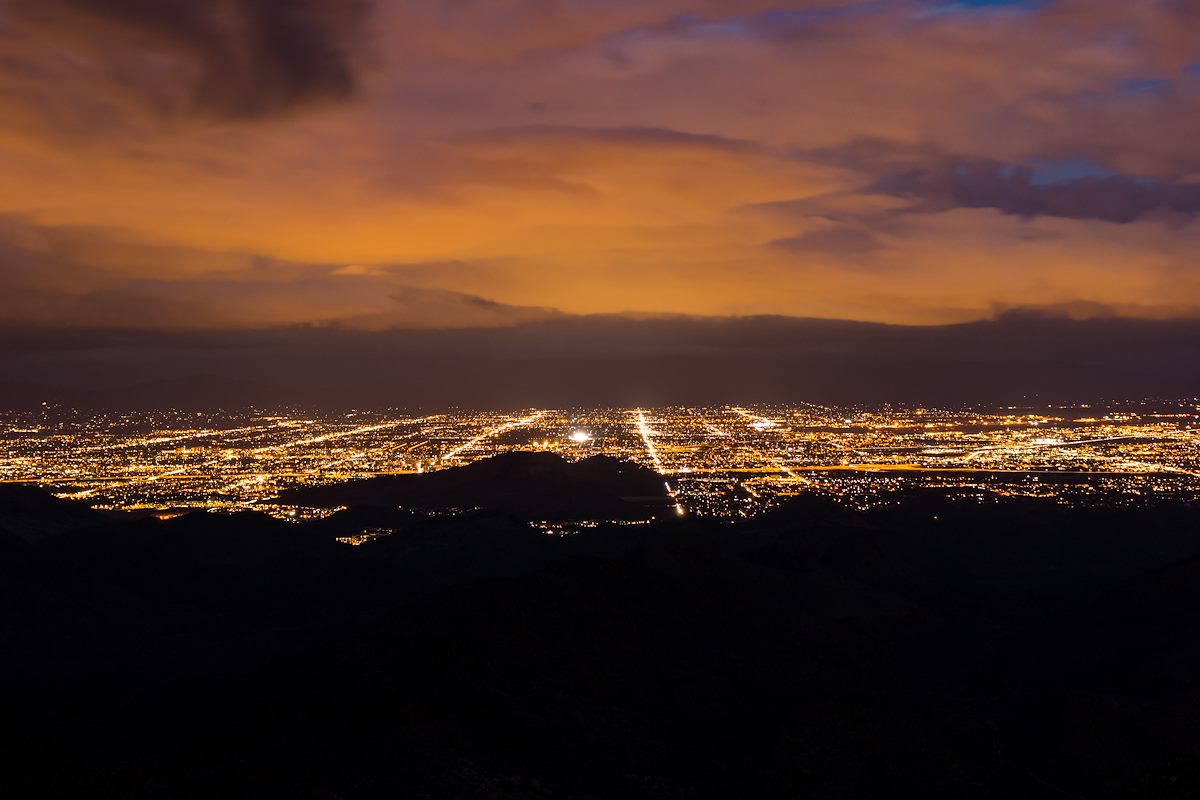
<point>934,649</point>
<point>531,485</point>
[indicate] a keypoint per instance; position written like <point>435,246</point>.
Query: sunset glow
<point>404,165</point>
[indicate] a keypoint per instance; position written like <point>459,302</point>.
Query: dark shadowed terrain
<point>533,486</point>
<point>932,649</point>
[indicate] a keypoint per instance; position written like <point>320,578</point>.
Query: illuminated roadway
<point>496,431</point>
<point>646,434</point>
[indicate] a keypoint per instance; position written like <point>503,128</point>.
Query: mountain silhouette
<point>531,485</point>
<point>32,514</point>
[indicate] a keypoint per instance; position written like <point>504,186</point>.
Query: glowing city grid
<point>728,461</point>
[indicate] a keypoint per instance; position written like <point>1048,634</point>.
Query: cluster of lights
<point>721,461</point>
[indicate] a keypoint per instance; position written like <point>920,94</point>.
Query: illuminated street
<point>722,461</point>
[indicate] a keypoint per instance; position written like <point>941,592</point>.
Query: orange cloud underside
<point>622,161</point>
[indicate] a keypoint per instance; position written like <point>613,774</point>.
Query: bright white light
<point>580,437</point>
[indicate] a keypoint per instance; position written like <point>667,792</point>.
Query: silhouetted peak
<point>610,465</point>
<point>32,513</point>
<point>531,485</point>
<point>23,498</point>
<point>517,462</point>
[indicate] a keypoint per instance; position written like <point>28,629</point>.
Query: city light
<point>721,461</point>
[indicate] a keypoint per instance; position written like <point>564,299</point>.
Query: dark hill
<point>935,650</point>
<point>32,513</point>
<point>533,486</point>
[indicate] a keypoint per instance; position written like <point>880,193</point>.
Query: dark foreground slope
<point>934,650</point>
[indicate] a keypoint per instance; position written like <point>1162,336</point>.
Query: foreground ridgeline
<point>933,648</point>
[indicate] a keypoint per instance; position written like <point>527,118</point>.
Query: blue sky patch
<point>939,7</point>
<point>1145,85</point>
<point>1048,172</point>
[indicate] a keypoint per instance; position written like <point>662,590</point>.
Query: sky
<point>412,164</point>
<point>882,199</point>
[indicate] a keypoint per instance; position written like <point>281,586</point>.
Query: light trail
<point>112,483</point>
<point>190,470</point>
<point>491,432</point>
<point>266,477</point>
<point>645,432</point>
<point>204,434</point>
<point>970,470</point>
<point>325,437</point>
<point>397,445</point>
<point>1065,444</point>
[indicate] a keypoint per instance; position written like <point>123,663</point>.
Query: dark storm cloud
<point>1016,190</point>
<point>664,138</point>
<point>843,239</point>
<point>231,58</point>
<point>932,181</point>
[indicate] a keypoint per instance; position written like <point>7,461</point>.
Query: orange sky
<point>477,162</point>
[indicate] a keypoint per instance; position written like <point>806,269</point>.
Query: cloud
<point>925,179</point>
<point>309,162</point>
<point>94,278</point>
<point>442,308</point>
<point>595,361</point>
<point>1015,189</point>
<point>233,59</point>
<point>842,239</point>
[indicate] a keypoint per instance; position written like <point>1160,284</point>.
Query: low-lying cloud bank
<point>1021,356</point>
